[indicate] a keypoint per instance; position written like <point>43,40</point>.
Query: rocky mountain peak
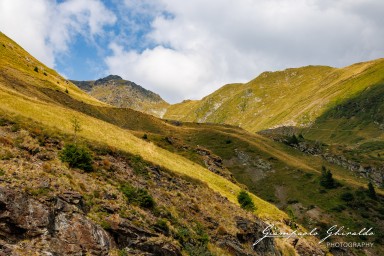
<point>108,79</point>
<point>122,93</point>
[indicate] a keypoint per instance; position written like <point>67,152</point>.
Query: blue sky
<point>187,49</point>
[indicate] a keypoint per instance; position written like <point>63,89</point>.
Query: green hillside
<point>293,97</point>
<point>185,164</point>
<point>354,121</point>
<point>37,110</point>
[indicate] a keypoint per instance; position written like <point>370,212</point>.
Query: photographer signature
<point>272,232</point>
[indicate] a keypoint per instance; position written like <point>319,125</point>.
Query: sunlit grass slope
<point>293,97</point>
<point>20,68</point>
<point>59,118</point>
<point>22,76</point>
<point>355,121</point>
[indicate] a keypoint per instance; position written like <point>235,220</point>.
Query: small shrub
<point>15,128</point>
<point>145,199</point>
<point>326,179</point>
<point>347,197</point>
<point>2,172</point>
<point>42,191</point>
<point>105,225</point>
<point>66,91</point>
<point>371,191</point>
<point>122,252</point>
<point>45,74</point>
<point>162,226</point>
<point>139,165</point>
<point>183,235</point>
<point>145,136</point>
<point>293,140</point>
<point>293,201</point>
<point>36,69</point>
<point>338,208</point>
<point>3,121</point>
<point>245,201</point>
<point>137,196</point>
<point>77,157</point>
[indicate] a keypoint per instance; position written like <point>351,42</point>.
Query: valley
<point>272,138</point>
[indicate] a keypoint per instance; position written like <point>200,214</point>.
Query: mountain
<point>293,97</point>
<point>157,187</point>
<point>129,194</point>
<point>124,94</point>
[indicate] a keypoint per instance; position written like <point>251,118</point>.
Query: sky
<point>188,49</point>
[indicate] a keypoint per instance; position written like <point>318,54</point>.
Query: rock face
<point>214,163</point>
<point>53,227</point>
<point>124,94</point>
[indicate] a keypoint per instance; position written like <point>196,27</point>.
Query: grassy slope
<point>58,117</point>
<point>290,97</point>
<point>50,113</point>
<point>355,121</point>
<point>17,66</point>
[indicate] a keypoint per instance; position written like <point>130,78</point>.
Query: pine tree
<point>326,179</point>
<point>371,191</point>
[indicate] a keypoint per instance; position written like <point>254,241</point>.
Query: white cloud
<point>46,28</point>
<point>208,43</point>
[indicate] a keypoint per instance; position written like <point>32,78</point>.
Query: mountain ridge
<point>121,93</point>
<point>295,96</point>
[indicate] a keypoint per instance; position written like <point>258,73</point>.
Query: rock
<point>250,231</point>
<point>214,163</point>
<point>74,233</point>
<point>127,234</point>
<point>75,199</point>
<point>160,248</point>
<point>232,246</point>
<point>56,226</point>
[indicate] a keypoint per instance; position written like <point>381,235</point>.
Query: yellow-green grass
<point>290,97</point>
<point>354,121</point>
<point>17,65</point>
<point>287,155</point>
<point>57,117</point>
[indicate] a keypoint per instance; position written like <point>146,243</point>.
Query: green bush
<point>338,208</point>
<point>245,201</point>
<point>326,179</point>
<point>139,165</point>
<point>137,196</point>
<point>293,140</point>
<point>347,197</point>
<point>371,191</point>
<point>162,225</point>
<point>77,156</point>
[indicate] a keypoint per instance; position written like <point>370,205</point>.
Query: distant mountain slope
<point>293,97</point>
<point>356,120</point>
<point>124,94</point>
